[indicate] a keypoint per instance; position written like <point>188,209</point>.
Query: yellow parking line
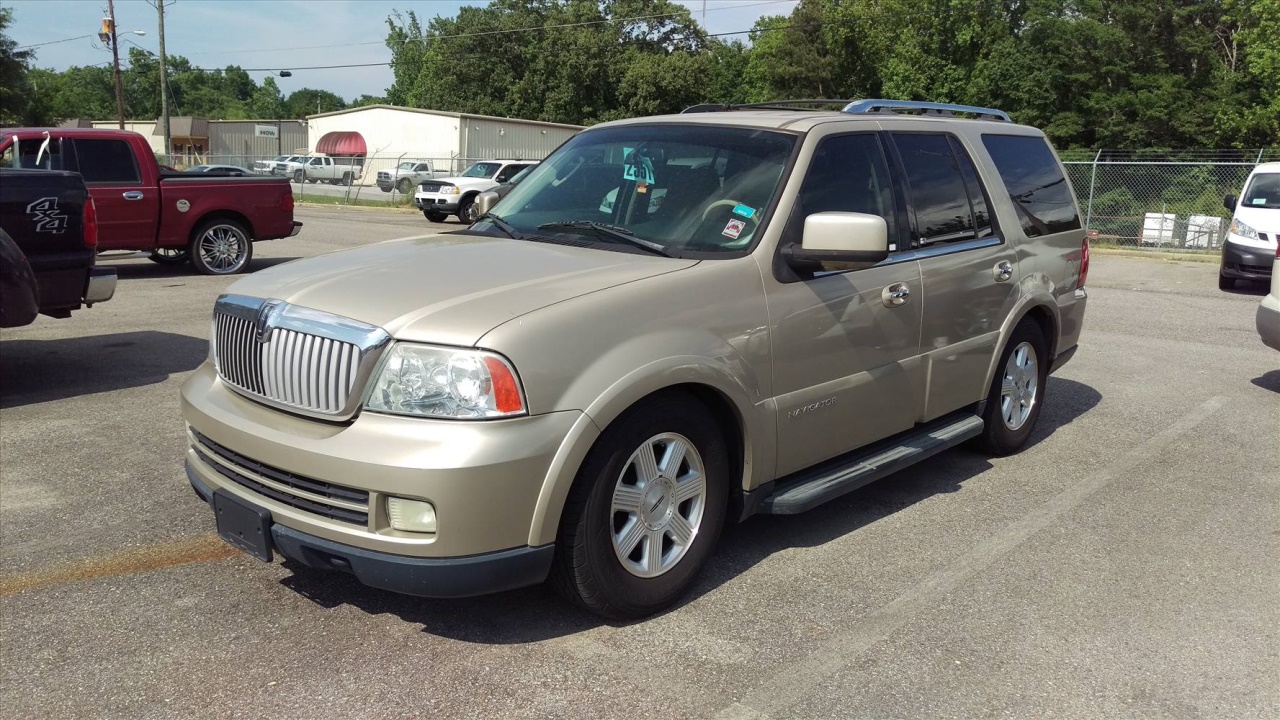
<point>202,548</point>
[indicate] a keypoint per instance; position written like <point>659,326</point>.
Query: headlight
<point>1243,230</point>
<point>441,382</point>
<point>450,190</point>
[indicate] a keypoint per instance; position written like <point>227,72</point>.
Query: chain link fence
<point>1168,200</point>
<point>373,180</point>
<point>1157,200</point>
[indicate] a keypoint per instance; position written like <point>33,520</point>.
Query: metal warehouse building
<point>387,135</point>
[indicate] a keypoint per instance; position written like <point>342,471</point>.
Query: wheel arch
<point>724,404</point>
<point>1039,307</point>
<point>222,214</point>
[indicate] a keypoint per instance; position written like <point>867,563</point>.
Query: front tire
<point>169,256</point>
<point>1017,391</point>
<point>469,211</point>
<point>404,186</point>
<point>221,247</point>
<point>297,176</point>
<point>435,217</point>
<point>645,511</point>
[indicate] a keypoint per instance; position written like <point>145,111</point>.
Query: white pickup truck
<point>410,174</point>
<point>438,199</point>
<point>331,170</point>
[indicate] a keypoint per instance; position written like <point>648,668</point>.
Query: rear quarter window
<point>1037,188</point>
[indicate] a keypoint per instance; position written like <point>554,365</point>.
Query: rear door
<point>968,270</point>
<point>128,209</point>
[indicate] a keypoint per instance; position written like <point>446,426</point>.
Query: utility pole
<point>115,62</point>
<point>164,86</point>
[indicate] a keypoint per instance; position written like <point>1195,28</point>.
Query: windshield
<point>684,187</point>
<point>481,169</point>
<point>1263,192</point>
<point>406,166</point>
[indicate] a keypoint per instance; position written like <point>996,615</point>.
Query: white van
<point>1250,248</point>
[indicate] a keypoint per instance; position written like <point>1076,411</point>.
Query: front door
<point>128,210</point>
<point>846,365</point>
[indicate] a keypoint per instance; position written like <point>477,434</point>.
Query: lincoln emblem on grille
<point>266,321</point>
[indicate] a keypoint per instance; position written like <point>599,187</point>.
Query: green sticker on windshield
<point>744,211</point>
<point>1259,201</point>
<point>637,167</point>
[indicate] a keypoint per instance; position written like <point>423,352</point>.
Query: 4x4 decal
<point>47,216</point>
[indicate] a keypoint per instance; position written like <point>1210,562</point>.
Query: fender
<point>1037,294</point>
<point>626,392</point>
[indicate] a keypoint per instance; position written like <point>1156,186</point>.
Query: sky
<point>276,34</point>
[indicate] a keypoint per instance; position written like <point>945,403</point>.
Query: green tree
<point>14,88</point>
<point>307,101</point>
<point>267,101</point>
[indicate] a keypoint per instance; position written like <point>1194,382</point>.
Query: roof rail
<point>868,107</point>
<point>770,105</point>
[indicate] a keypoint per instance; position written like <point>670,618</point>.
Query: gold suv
<point>670,323</point>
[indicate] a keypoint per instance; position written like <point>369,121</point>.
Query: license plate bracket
<point>245,527</point>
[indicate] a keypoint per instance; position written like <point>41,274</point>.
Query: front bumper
<point>426,577</point>
<point>1268,317</point>
<point>437,203</point>
<point>483,477</point>
<point>1246,262</point>
<point>101,286</point>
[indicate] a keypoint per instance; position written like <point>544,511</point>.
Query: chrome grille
<point>431,187</point>
<point>294,357</point>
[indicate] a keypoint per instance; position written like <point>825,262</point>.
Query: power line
<point>55,42</point>
<point>530,28</point>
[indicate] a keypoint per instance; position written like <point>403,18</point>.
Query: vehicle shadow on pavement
<point>38,371</point>
<point>537,613</point>
<point>140,268</point>
<point>1268,381</point>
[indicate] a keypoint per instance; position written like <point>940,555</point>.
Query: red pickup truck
<point>210,220</point>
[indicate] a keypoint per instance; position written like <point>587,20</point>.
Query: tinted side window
<point>848,173</point>
<point>107,161</point>
<point>1035,182</point>
<point>935,188</point>
<point>977,197</point>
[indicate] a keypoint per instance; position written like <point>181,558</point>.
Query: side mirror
<point>1229,202</point>
<point>485,202</point>
<point>845,238</point>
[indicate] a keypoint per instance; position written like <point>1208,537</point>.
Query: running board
<point>810,488</point>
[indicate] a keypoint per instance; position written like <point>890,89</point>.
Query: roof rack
<point>863,107</point>
<point>869,107</point>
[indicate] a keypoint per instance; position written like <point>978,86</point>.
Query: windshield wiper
<point>612,232</point>
<point>502,225</point>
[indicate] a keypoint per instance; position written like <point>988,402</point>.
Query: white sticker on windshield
<point>1259,201</point>
<point>733,229</point>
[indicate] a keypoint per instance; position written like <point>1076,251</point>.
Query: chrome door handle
<point>133,195</point>
<point>1003,270</point>
<point>895,295</point>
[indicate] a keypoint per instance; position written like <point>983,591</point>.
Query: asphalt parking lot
<point>1124,565</point>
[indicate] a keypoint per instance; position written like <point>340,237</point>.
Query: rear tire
<point>1226,283</point>
<point>346,179</point>
<point>1017,391</point>
<point>636,532</point>
<point>221,247</point>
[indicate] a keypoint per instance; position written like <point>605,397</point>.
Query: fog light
<point>411,515</point>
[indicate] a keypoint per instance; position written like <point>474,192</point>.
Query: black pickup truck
<point>48,245</point>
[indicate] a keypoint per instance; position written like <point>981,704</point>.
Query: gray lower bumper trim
<point>102,285</point>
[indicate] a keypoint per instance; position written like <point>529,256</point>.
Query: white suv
<point>438,199</point>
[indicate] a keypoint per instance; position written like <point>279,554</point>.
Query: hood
<point>448,289</point>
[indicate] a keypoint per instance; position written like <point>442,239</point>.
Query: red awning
<point>341,143</point>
